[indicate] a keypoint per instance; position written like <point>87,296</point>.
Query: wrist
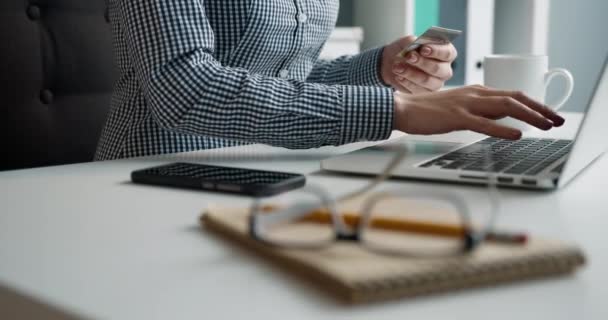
<point>400,117</point>
<point>384,67</point>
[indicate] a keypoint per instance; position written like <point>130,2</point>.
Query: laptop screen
<point>591,138</point>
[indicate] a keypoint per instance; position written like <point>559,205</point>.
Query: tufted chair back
<point>56,78</point>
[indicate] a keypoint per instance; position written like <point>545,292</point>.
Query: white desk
<point>83,239</point>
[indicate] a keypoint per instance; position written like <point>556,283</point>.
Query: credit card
<point>434,35</point>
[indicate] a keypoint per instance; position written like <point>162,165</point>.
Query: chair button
<point>46,96</point>
<point>34,12</point>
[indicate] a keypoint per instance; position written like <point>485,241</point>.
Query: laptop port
<point>505,180</point>
<point>473,177</point>
<point>528,182</point>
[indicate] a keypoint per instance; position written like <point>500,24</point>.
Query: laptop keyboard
<point>528,156</point>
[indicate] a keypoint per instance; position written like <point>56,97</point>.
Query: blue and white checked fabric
<point>200,74</point>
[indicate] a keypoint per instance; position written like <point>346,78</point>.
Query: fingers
<point>417,77</point>
<point>530,103</point>
<point>409,86</point>
<point>539,107</point>
<point>491,128</point>
<point>442,52</point>
<point>435,68</point>
<point>500,107</point>
<point>406,41</point>
<point>400,88</point>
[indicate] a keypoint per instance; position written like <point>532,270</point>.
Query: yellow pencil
<point>417,226</point>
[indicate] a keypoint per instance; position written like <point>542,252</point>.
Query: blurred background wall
<point>577,36</point>
<point>578,41</point>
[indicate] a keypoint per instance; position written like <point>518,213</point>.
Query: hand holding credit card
<point>433,35</point>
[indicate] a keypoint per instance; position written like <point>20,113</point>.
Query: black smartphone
<point>249,182</point>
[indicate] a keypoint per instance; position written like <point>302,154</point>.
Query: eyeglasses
<point>396,221</point>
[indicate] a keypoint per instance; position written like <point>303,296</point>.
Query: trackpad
<point>374,159</point>
<point>416,151</point>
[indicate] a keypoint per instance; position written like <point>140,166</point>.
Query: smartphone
<point>434,35</point>
<point>248,182</point>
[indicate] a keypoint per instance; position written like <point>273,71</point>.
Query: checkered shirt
<point>201,74</point>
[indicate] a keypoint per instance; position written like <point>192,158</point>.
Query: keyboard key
<point>451,156</point>
<point>517,170</point>
<point>501,167</point>
<point>475,169</point>
<point>528,155</point>
<point>454,165</point>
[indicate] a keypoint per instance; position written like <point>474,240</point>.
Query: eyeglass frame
<point>470,239</point>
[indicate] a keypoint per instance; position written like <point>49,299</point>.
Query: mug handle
<point>569,85</point>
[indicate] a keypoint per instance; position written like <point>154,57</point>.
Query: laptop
<point>531,162</point>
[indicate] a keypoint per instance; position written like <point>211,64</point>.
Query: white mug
<point>527,73</point>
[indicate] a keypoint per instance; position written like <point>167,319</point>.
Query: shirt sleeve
<point>170,43</point>
<point>362,69</point>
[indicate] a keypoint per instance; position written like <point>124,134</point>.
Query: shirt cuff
<point>368,114</point>
<point>365,68</point>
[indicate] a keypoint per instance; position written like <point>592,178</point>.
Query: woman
<point>198,74</point>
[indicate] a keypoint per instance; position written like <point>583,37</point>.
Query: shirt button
<point>302,17</point>
<point>284,73</point>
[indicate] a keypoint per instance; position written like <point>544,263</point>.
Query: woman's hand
<point>470,108</point>
<point>421,71</point>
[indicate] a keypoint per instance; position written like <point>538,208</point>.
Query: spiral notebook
<point>356,275</point>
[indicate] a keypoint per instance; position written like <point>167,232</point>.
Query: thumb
<point>401,44</point>
<point>406,41</point>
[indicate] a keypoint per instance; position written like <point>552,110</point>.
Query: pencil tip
<point>522,238</point>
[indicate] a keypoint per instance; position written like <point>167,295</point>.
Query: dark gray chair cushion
<point>56,78</point>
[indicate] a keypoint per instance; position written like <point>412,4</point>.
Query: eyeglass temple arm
<point>385,174</point>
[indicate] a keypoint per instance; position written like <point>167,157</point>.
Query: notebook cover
<point>356,275</point>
